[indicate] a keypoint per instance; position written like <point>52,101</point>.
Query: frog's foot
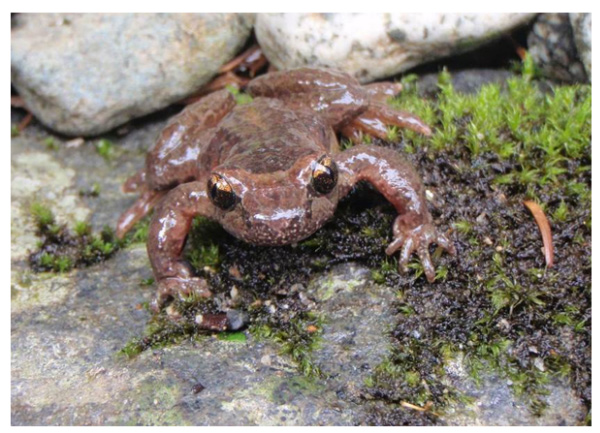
<point>136,182</point>
<point>375,120</point>
<point>381,92</point>
<point>249,62</point>
<point>352,133</point>
<point>182,287</point>
<point>138,210</point>
<point>236,73</point>
<point>417,240</point>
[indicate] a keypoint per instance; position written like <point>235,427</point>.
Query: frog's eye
<point>221,193</point>
<point>325,175</point>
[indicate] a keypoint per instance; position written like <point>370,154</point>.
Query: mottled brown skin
<point>268,152</point>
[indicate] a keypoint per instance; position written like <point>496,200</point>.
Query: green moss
<point>241,98</point>
<point>42,215</point>
<point>62,248</point>
<point>236,337</point>
<point>82,228</point>
<point>297,338</point>
<point>161,331</point>
<point>514,124</point>
<point>147,281</point>
<point>105,148</point>
<point>93,191</point>
<point>50,143</point>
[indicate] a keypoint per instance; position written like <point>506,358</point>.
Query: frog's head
<point>276,207</point>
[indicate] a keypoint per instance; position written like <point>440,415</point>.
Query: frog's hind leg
<point>379,94</point>
<point>142,206</point>
<point>335,96</point>
<point>175,157</point>
<point>237,72</point>
<point>375,120</point>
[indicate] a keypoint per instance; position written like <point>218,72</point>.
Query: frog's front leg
<point>169,228</point>
<point>394,177</point>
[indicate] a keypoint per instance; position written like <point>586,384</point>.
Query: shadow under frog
<point>271,171</point>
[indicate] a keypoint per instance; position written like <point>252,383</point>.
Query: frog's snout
<point>278,216</point>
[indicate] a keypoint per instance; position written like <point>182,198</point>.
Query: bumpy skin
<point>267,151</point>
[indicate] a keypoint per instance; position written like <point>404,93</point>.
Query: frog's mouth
<point>282,214</point>
<point>280,226</point>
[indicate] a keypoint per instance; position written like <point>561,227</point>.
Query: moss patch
<point>62,248</point>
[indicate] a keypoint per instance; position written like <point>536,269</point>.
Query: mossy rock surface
<point>335,335</point>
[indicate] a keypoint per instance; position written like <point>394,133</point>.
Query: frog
<point>271,171</point>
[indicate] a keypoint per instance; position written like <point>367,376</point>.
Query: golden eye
<point>221,193</point>
<point>325,175</point>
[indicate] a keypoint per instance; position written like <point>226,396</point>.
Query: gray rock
<point>84,74</point>
<point>582,32</point>
<point>467,81</point>
<point>552,46</point>
<point>372,46</point>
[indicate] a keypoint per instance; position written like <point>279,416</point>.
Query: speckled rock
<point>372,46</point>
<point>582,32</point>
<point>552,46</point>
<point>84,74</point>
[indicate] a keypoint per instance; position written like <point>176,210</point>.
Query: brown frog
<point>271,171</point>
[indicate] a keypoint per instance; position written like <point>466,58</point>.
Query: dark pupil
<point>221,193</point>
<point>325,175</point>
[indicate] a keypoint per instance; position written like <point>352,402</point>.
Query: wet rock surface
<point>97,71</point>
<point>374,46</point>
<point>68,329</point>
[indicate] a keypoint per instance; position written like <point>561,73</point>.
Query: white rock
<point>373,46</point>
<point>582,33</point>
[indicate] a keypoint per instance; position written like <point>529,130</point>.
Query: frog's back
<point>265,136</point>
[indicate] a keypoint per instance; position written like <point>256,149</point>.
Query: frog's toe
<point>395,245</point>
<point>142,206</point>
<point>382,91</point>
<point>418,240</point>
<point>446,244</point>
<point>136,182</point>
<point>428,268</point>
<point>171,287</point>
<point>407,250</point>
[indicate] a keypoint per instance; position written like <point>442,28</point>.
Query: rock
<point>492,401</point>
<point>373,46</point>
<point>84,74</point>
<point>467,81</point>
<point>582,32</point>
<point>552,46</point>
